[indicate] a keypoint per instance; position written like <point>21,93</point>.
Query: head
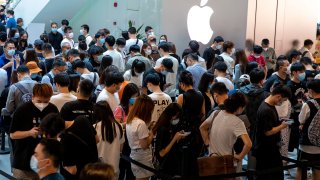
<point>3,37</point>
<point>47,157</point>
<point>129,96</point>
<point>79,66</point>
<point>22,71</point>
<point>185,80</point>
<point>38,43</point>
<point>295,44</point>
<point>249,45</point>
<point>172,48</point>
<point>121,43</point>
<point>9,48</point>
<point>149,31</point>
<point>146,50</point>
<point>142,109</point>
<point>95,52</point>
<point>170,116</point>
<point>100,38</point>
<point>220,92</point>
<point>14,33</point>
<point>235,104</point>
<point>85,88</point>
<point>241,57</point>
<point>217,59</point>
<point>218,42</point>
<point>192,59</point>
<point>306,61</point>
<point>106,72</point>
<point>24,36</point>
<point>295,56</point>
<point>220,69</point>
<point>110,41</point>
<point>298,71</point>
<point>113,81</point>
<point>163,38</point>
<point>54,27</point>
<point>83,47</point>
<point>44,37</point>
<point>64,23</point>
<point>132,31</point>
<point>166,66</point>
<point>265,44</point>
<point>68,32</point>
<point>52,125</point>
<point>194,46</point>
<point>257,50</point>
<point>84,29</point>
<point>257,76</point>
<point>206,82</point>
<point>97,171</point>
<point>59,66</point>
<point>313,88</point>
<point>41,94</point>
<point>134,49</point>
<point>61,80</point>
<point>282,66</point>
<point>125,35</point>
<point>10,13</point>
<point>30,55</point>
<point>279,94</point>
<point>228,47</point>
<point>47,49</point>
<point>72,55</point>
<point>163,48</point>
<point>137,67</point>
<point>153,82</point>
<point>308,43</point>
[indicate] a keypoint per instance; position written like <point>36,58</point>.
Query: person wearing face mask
<point>64,24</point>
<point>47,158</point>
<point>55,38</point>
<point>267,133</point>
<point>162,70</point>
<point>85,31</point>
<point>281,75</point>
<point>24,130</point>
<point>213,51</point>
<point>11,22</point>
<point>95,57</point>
<point>120,44</point>
<point>20,25</point>
<point>58,66</point>
<point>38,43</point>
<point>135,74</point>
<point>46,65</point>
<point>68,36</point>
<point>3,39</point>
<point>148,32</point>
<point>80,67</point>
<point>195,69</point>
<point>222,128</point>
<point>269,55</point>
<point>113,83</point>
<point>228,51</point>
<point>100,40</point>
<point>135,54</point>
<point>8,60</point>
<point>23,41</point>
<point>146,52</point>
<point>167,146</point>
<point>257,57</point>
<point>116,56</point>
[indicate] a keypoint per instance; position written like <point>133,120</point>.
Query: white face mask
<point>34,164</point>
<point>175,121</point>
<point>218,46</point>
<point>70,35</point>
<point>81,31</point>
<point>233,51</point>
<point>265,49</point>
<point>137,74</point>
<point>148,52</point>
<point>121,49</point>
<point>41,106</point>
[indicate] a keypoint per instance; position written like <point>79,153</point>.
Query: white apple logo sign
<point>199,23</point>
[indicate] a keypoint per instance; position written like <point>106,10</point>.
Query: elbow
<point>12,136</point>
<point>249,145</point>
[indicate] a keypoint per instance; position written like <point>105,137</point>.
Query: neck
<point>110,48</point>
<point>47,171</point>
<point>80,97</point>
<point>156,89</point>
<point>165,54</point>
<point>295,79</point>
<point>222,99</point>
<point>48,55</point>
<point>270,101</point>
<point>157,68</point>
<point>85,71</point>
<point>282,75</point>
<point>24,76</point>
<point>110,90</point>
<point>188,88</point>
<point>221,74</point>
<point>132,36</point>
<point>63,89</point>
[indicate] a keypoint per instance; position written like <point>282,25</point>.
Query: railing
<point>12,4</point>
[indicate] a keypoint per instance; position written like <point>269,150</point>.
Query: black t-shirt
<point>46,65</point>
<point>310,74</point>
<point>25,118</point>
<point>152,71</point>
<point>71,110</point>
<point>209,54</point>
<point>267,118</point>
<point>298,90</point>
<point>55,40</point>
<point>75,151</point>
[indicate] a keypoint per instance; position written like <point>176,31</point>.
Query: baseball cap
<point>38,42</point>
<point>168,64</point>
<point>33,67</point>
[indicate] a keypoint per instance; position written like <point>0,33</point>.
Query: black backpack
<point>26,95</point>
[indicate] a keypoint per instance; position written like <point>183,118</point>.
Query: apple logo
<point>198,22</point>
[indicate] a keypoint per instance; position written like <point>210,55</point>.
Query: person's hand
<point>178,136</point>
<point>167,85</point>
<point>34,132</point>
<point>17,57</point>
<point>283,125</point>
<point>151,125</point>
<point>237,157</point>
<point>71,169</point>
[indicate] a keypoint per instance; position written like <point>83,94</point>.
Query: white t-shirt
<point>60,99</point>
<point>171,77</point>
<point>117,59</point>
<point>90,76</point>
<point>88,40</point>
<point>226,81</point>
<point>161,101</point>
<point>133,79</point>
<point>202,62</point>
<point>71,42</point>
<point>110,153</point>
<point>225,130</point>
<point>3,79</point>
<point>136,131</point>
<point>229,62</point>
<point>131,42</point>
<point>112,99</point>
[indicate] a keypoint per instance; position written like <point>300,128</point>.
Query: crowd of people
<point>73,106</point>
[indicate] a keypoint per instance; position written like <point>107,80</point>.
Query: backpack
<point>304,53</point>
<point>50,77</point>
<point>26,95</point>
<point>314,127</point>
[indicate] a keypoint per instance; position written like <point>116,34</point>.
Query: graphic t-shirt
<point>161,101</point>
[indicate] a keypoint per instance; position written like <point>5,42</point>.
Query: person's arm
<point>6,66</point>
<point>180,100</point>
<point>276,129</point>
<point>203,111</point>
<point>145,143</point>
<point>304,114</point>
<point>204,131</point>
<point>24,134</point>
<point>236,76</point>
<point>10,104</point>
<point>175,139</point>
<point>246,148</point>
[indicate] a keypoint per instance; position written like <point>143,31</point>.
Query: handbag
<point>216,165</point>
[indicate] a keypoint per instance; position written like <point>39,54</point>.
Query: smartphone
<point>288,121</point>
<point>186,133</point>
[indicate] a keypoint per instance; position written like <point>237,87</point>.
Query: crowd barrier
<point>8,176</point>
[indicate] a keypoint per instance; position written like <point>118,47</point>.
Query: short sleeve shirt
<point>136,130</point>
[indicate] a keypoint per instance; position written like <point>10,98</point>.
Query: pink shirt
<point>260,60</point>
<point>120,114</point>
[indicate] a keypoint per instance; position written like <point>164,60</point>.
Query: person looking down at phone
<point>9,60</point>
<point>222,128</point>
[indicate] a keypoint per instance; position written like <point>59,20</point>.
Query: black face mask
<point>24,40</point>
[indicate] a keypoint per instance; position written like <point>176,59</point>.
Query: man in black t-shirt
<point>214,50</point>
<point>82,106</point>
<point>267,133</point>
<point>24,130</point>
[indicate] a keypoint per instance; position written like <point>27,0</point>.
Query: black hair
<point>206,79</point>
<point>113,78</point>
<point>132,30</point>
<point>53,149</point>
<point>282,57</point>
<point>137,66</point>
<point>282,90</point>
<point>53,24</point>
<point>221,66</point>
<point>279,63</point>
<point>297,67</point>
<point>46,47</point>
<point>67,28</point>
<point>8,42</point>
<point>44,37</point>
<point>110,40</point>
<point>308,42</point>
<point>314,85</point>
<point>73,53</point>
<point>218,39</point>
<point>78,64</point>
<point>3,36</point>
<point>11,12</point>
<point>256,75</point>
<point>250,66</point>
<point>121,41</point>
<point>129,90</point>
<point>147,28</point>
<point>52,124</point>
<point>164,46</point>
<point>193,57</point>
<point>125,35</point>
<point>153,78</point>
<point>194,46</point>
<point>65,22</point>
<point>81,38</point>
<point>219,88</point>
<point>58,63</point>
<point>217,59</point>
<point>234,102</point>
<point>257,49</point>
<point>94,50</point>
<point>62,79</point>
<point>23,69</point>
<point>227,45</point>
<point>186,78</point>
<point>19,20</point>
<point>306,61</point>
<point>105,62</point>
<point>86,88</point>
<point>82,46</point>
<point>134,48</point>
<point>293,54</point>
<point>265,42</point>
<point>164,120</point>
<point>86,27</point>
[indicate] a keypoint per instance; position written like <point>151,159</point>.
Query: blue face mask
<point>102,41</point>
<point>54,30</point>
<point>209,87</point>
<point>11,52</point>
<point>302,76</point>
<point>132,100</point>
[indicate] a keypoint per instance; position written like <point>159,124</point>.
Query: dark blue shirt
<point>11,23</point>
<point>4,61</point>
<point>54,176</point>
